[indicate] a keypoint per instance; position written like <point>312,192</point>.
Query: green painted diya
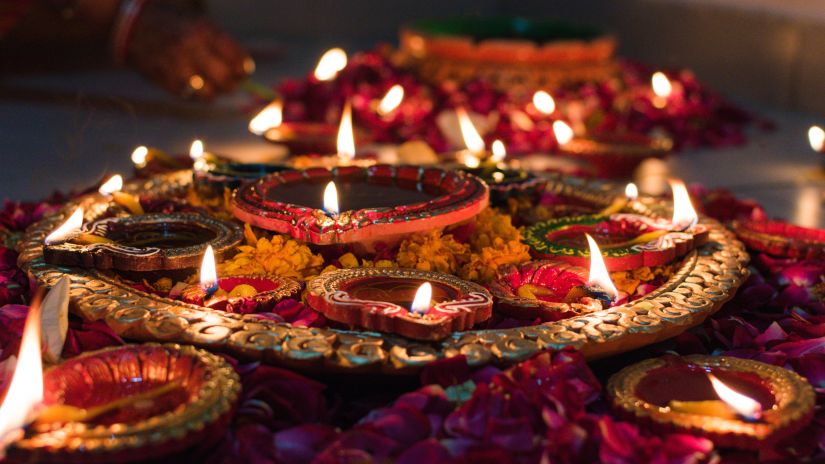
<point>627,241</point>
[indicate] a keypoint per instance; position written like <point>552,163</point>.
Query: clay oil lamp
<point>144,243</point>
<point>123,404</point>
<point>816,137</point>
<point>782,239</point>
<point>212,174</point>
<point>112,189</point>
<point>420,305</point>
<point>630,241</point>
<point>237,294</point>
<point>148,161</point>
<point>614,155</point>
<point>734,402</point>
<point>504,181</point>
<point>381,203</point>
<point>553,290</point>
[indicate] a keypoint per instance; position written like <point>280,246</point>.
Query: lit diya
<point>504,182</point>
<point>614,155</point>
<point>781,239</point>
<point>416,304</point>
<point>629,241</point>
<point>238,294</point>
<point>359,205</point>
<point>148,161</point>
<point>211,173</point>
<point>734,402</point>
<point>150,242</point>
<point>553,290</point>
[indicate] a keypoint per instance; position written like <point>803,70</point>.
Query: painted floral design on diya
<point>506,183</point>
<point>616,155</point>
<point>735,402</point>
<point>382,299</point>
<point>628,241</point>
<point>782,239</point>
<point>547,290</point>
<point>218,173</point>
<point>378,203</point>
<point>243,294</point>
<point>150,242</point>
<point>507,52</point>
<point>140,402</point>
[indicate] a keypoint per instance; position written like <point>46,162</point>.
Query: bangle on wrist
<point>127,16</point>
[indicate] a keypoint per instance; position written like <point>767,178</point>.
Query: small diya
<point>421,305</point>
<point>547,290</point>
<point>629,241</point>
<point>131,403</point>
<point>217,173</point>
<point>612,155</point>
<point>734,402</point>
<point>150,242</point>
<point>778,238</point>
<point>238,294</point>
<point>302,137</point>
<point>379,203</point>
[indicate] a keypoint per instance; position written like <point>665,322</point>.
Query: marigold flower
<point>280,256</point>
<point>490,226</point>
<point>432,251</point>
<point>483,265</point>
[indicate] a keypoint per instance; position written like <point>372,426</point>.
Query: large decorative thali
<point>705,279</point>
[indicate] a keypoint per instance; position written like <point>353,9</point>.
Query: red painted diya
<point>149,242</point>
<point>548,290</point>
<point>310,137</point>
<point>755,405</point>
<point>628,241</point>
<point>381,299</point>
<point>616,155</point>
<point>138,402</point>
<point>782,239</point>
<point>379,203</point>
<point>243,294</point>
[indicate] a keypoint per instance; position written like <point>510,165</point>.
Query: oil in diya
<point>144,243</point>
<point>122,404</point>
<point>630,241</point>
<point>504,182</point>
<point>551,290</point>
<point>734,402</point>
<point>237,294</point>
<point>212,174</point>
<point>615,155</point>
<point>420,305</point>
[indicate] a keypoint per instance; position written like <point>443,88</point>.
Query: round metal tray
<point>706,278</point>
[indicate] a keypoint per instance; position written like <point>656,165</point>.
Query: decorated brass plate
<point>706,278</point>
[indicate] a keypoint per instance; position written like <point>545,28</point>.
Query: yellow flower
<point>483,265</point>
<point>432,251</point>
<point>492,225</point>
<point>278,256</point>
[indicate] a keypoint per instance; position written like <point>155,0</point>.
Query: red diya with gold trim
<point>629,241</point>
<point>243,294</point>
<point>382,299</point>
<point>149,242</point>
<point>130,403</point>
<point>547,290</point>
<point>734,402</point>
<point>615,155</point>
<point>382,203</point>
<point>782,239</point>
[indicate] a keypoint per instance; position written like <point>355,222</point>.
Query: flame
<point>421,302</point>
<point>472,139</point>
<point>499,152</point>
<point>684,216</point>
<point>816,136</point>
<point>599,277</point>
<point>564,133</point>
<point>196,150</point>
<point>631,192</point>
<point>661,85</point>
<point>139,156</point>
<point>25,392</point>
<point>472,161</point>
<point>271,116</point>
<point>745,406</point>
<point>330,64</point>
<point>209,272</point>
<point>391,100</point>
<point>65,230</point>
<point>114,184</point>
<point>331,199</point>
<point>544,102</point>
<point>346,137</point>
